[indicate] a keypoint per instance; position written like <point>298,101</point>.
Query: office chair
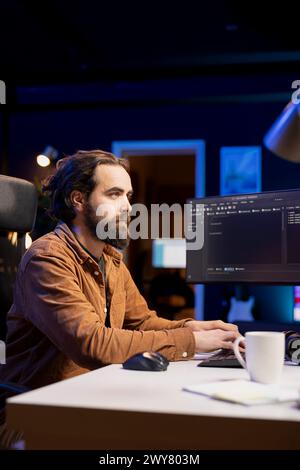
<point>18,206</point>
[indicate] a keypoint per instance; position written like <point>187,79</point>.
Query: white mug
<point>265,352</point>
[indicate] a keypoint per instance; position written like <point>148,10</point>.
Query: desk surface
<point>117,408</point>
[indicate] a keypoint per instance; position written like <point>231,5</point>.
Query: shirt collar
<point>65,233</point>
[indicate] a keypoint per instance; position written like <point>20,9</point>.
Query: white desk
<point>113,408</point>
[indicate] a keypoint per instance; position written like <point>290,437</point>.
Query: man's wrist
<point>189,323</point>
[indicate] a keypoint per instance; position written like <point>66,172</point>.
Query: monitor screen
<point>169,253</point>
<point>245,238</point>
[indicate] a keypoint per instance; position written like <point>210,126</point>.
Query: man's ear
<point>77,200</point>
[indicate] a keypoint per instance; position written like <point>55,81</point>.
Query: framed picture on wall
<point>296,303</point>
<point>240,170</point>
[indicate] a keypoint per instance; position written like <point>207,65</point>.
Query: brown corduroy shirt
<point>56,325</point>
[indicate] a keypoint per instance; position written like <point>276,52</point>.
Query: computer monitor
<point>169,253</point>
<point>252,238</point>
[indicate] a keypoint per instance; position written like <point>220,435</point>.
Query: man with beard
<point>76,306</point>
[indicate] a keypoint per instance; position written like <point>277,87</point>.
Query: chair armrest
<point>13,388</point>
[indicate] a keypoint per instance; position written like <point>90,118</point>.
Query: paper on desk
<point>244,392</point>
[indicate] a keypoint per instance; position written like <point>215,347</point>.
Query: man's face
<point>110,197</point>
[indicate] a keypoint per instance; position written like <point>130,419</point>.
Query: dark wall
<point>217,124</point>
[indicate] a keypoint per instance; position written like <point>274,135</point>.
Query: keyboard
<point>224,358</point>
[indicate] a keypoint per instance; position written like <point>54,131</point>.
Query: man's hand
<point>210,325</point>
<point>210,340</point>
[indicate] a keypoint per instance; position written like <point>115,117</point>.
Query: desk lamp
<point>283,138</point>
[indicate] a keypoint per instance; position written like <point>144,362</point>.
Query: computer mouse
<point>151,361</point>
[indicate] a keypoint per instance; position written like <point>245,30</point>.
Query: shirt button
<point>184,354</point>
<point>96,273</point>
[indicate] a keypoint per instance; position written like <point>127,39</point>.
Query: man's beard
<point>91,222</point>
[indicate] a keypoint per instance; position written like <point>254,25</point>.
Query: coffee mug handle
<point>237,351</point>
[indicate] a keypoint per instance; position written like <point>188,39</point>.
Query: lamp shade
<point>283,138</point>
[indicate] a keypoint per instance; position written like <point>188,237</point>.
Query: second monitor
<point>245,238</point>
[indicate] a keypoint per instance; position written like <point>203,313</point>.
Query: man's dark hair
<point>75,172</point>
